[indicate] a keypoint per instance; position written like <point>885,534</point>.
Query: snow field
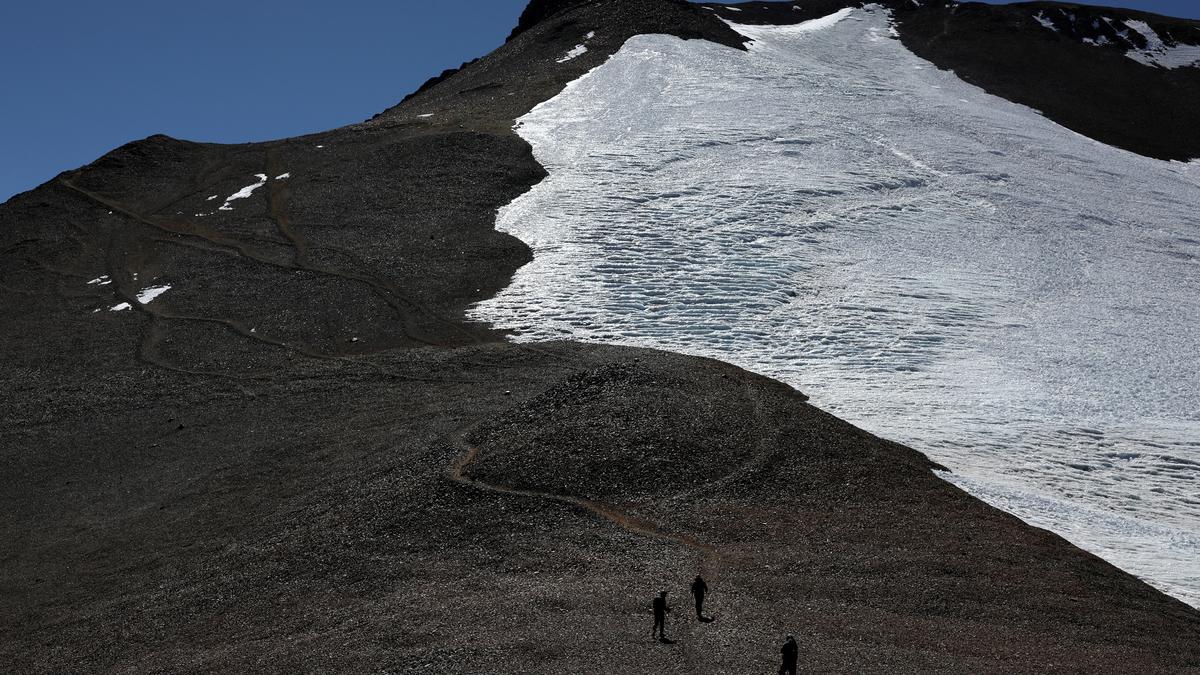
<point>934,264</point>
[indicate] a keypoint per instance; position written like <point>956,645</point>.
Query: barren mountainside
<point>245,424</point>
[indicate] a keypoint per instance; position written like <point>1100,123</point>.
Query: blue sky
<point>82,77</point>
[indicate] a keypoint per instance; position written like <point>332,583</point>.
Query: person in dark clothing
<point>660,616</point>
<point>790,653</point>
<point>699,589</point>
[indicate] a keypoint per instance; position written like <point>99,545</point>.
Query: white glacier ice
<point>937,265</point>
<point>823,22</point>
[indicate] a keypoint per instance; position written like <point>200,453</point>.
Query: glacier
<point>937,265</point>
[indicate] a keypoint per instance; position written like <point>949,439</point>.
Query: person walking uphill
<point>699,589</point>
<point>790,653</point>
<point>660,616</point>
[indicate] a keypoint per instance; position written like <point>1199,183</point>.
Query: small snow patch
<point>148,295</point>
<point>103,281</point>
<point>283,176</point>
<point>426,115</point>
<point>120,308</point>
<point>1144,29</point>
<point>1158,53</point>
<point>244,192</point>
<point>211,198</point>
<point>578,51</point>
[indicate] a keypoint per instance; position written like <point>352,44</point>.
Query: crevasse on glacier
<point>937,265</point>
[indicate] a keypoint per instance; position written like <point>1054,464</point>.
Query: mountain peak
<point>538,10</point>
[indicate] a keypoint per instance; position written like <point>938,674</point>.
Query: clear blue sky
<point>80,77</point>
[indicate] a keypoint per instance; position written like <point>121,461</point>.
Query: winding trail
<point>710,556</point>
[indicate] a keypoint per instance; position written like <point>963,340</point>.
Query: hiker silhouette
<point>790,653</point>
<point>699,590</point>
<point>660,616</point>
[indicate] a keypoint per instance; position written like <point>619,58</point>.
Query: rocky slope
<point>300,457</point>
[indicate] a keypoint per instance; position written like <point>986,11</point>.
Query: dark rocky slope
<point>310,521</point>
<point>301,458</point>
